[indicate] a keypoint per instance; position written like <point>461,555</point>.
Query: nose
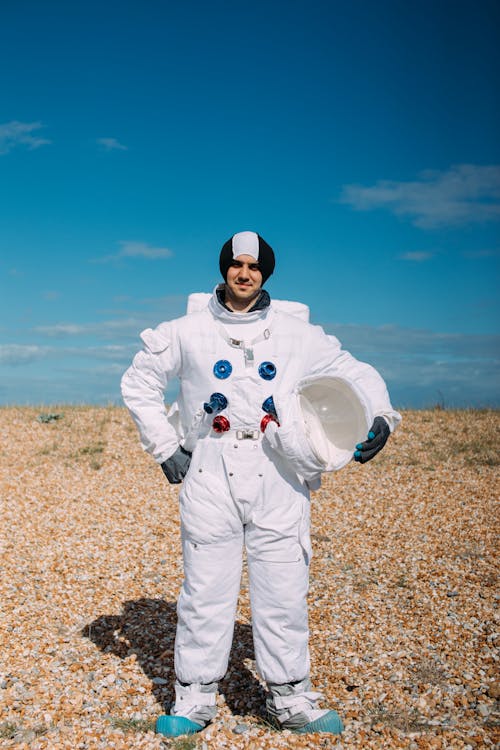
<point>243,274</point>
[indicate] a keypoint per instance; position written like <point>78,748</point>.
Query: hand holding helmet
<point>320,422</point>
<point>377,438</point>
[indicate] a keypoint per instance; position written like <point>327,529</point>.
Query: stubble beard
<point>240,304</point>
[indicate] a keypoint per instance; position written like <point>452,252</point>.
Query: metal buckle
<point>247,434</point>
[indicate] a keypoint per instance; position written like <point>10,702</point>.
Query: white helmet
<point>320,424</point>
<point>336,416</point>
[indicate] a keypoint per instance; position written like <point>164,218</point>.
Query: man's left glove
<point>176,467</point>
<point>377,438</point>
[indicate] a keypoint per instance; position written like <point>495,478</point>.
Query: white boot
<point>194,707</point>
<point>294,706</point>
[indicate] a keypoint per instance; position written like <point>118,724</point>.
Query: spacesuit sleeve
<point>143,386</point>
<point>328,358</point>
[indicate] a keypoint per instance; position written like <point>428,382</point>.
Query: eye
<point>236,263</point>
<point>254,267</point>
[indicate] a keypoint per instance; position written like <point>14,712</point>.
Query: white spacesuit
<point>239,489</point>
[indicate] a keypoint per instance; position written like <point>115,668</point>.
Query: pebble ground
<point>403,599</point>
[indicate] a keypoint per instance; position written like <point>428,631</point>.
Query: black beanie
<point>247,243</point>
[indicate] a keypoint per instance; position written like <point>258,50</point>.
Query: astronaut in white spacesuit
<point>230,438</point>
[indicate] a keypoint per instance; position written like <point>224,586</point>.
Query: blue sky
<point>359,139</point>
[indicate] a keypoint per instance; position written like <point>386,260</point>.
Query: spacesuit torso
<point>246,357</point>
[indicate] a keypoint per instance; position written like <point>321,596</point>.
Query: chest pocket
<point>199,350</point>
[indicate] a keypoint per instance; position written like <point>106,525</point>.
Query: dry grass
<point>403,600</point>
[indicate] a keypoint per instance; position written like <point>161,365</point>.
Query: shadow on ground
<point>146,628</point>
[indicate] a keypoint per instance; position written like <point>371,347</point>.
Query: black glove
<point>377,438</point>
<point>176,467</point>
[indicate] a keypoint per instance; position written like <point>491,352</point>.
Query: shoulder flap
<point>156,340</point>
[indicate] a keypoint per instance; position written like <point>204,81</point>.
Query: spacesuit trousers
<point>235,495</point>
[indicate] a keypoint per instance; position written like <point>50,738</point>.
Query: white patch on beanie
<point>246,243</point>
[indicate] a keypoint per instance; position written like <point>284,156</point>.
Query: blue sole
<point>175,726</point>
<point>330,723</point>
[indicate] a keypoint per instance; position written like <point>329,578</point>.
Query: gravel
<point>403,599</point>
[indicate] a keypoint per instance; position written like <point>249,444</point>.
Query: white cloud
<point>418,256</point>
<point>111,144</point>
<point>16,133</point>
<point>423,367</point>
<point>127,327</point>
<point>119,329</point>
<point>21,354</point>
<point>61,329</point>
<point>142,250</point>
<point>136,250</point>
<point>398,341</point>
<point>463,194</point>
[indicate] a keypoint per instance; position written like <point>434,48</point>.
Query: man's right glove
<point>176,467</point>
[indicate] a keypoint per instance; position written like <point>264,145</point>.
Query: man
<point>233,357</point>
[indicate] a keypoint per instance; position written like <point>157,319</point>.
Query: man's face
<point>244,278</point>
